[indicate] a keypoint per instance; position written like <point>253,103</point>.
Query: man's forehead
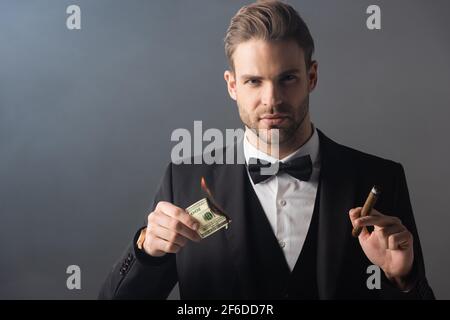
<point>258,57</point>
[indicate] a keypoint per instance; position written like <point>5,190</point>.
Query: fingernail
<point>195,226</point>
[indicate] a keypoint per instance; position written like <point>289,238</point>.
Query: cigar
<point>367,208</point>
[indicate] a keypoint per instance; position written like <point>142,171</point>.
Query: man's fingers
<point>400,240</point>
<point>385,233</point>
<point>168,235</point>
<point>354,214</point>
<point>164,245</point>
<point>391,229</point>
<point>375,212</point>
<point>181,228</point>
<point>376,220</point>
<point>160,218</point>
<point>177,213</point>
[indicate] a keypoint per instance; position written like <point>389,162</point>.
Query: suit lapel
<point>337,195</point>
<point>229,179</point>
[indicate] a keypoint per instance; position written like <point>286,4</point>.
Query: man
<point>290,236</point>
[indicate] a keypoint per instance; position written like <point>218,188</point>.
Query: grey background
<point>86,118</point>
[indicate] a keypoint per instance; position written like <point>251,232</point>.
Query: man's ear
<point>231,83</point>
<point>312,75</point>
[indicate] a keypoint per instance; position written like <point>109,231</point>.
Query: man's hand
<point>389,246</point>
<point>169,228</point>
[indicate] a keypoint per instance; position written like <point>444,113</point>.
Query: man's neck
<point>302,135</point>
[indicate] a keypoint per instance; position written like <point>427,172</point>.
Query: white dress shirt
<point>288,202</point>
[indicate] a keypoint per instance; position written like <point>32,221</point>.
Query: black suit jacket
<point>219,266</point>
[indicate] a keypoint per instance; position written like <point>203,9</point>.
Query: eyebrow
<point>289,71</point>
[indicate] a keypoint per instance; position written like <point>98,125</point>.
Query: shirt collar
<point>311,147</point>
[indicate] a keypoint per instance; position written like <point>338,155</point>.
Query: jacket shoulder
<point>358,158</point>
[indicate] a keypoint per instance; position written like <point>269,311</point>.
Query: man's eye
<point>252,82</point>
<point>289,78</point>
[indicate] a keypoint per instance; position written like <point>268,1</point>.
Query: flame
<point>205,187</point>
<point>211,198</point>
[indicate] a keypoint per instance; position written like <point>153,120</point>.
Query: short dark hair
<point>268,20</point>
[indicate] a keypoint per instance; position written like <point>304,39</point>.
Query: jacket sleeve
<point>403,209</point>
<point>137,275</point>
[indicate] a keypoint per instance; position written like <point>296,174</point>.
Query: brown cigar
<point>367,208</point>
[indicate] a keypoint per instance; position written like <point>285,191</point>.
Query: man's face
<point>271,86</point>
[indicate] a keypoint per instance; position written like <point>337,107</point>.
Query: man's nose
<point>271,95</point>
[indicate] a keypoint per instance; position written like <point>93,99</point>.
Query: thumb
<point>354,214</point>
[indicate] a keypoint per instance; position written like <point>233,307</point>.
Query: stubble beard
<point>286,134</point>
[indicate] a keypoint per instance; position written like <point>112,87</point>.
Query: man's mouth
<point>273,119</point>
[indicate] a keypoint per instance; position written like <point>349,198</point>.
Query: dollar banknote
<point>210,218</point>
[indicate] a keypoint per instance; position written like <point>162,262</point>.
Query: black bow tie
<point>260,170</point>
